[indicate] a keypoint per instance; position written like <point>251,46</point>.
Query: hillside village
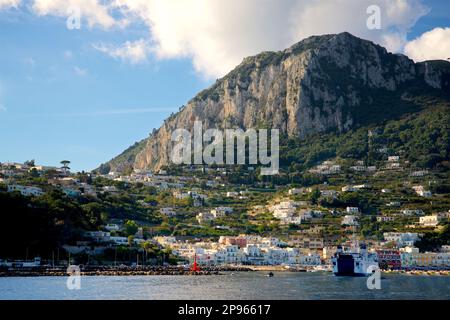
<point>230,216</point>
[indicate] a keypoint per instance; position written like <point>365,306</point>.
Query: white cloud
<point>217,34</point>
<point>397,18</point>
<point>80,71</point>
<point>431,45</point>
<point>6,4</point>
<point>3,108</point>
<point>92,11</point>
<point>134,52</point>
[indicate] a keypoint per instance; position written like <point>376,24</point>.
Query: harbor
<point>228,285</point>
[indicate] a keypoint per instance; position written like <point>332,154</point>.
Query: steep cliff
<point>331,82</point>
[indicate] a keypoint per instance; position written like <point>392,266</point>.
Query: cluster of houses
<point>198,198</point>
<point>293,212</point>
<point>304,249</point>
<point>241,250</point>
<point>256,250</point>
<point>405,255</point>
<point>360,167</point>
<point>218,212</point>
<point>12,170</point>
<point>26,191</point>
<point>421,191</point>
<point>160,180</point>
<point>326,168</point>
<point>332,168</point>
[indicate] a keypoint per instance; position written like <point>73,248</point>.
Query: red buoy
<point>195,267</point>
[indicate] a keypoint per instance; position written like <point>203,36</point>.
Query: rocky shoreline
<point>173,271</point>
<point>119,271</point>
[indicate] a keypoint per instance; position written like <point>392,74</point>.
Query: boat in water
<point>356,262</point>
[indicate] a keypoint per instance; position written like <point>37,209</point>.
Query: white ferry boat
<point>357,262</point>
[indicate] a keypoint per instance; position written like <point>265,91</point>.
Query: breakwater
<point>118,271</point>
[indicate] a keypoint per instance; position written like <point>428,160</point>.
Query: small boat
<point>270,274</point>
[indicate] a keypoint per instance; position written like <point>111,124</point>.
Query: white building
<point>165,240</point>
<point>291,220</point>
<point>420,190</point>
<point>402,239</point>
<point>204,217</point>
<point>394,204</point>
<point>393,158</point>
<point>168,211</point>
<point>284,209</point>
<point>120,241</point>
<point>232,194</point>
<point>430,221</point>
<point>111,189</point>
<point>352,210</point>
<point>221,211</point>
<point>309,259</point>
<point>413,212</point>
<point>98,236</point>
<point>25,191</point>
<point>180,195</point>
<point>295,191</point>
<point>252,254</point>
<point>329,193</point>
<point>358,168</point>
<point>420,173</point>
<point>362,186</point>
<point>348,189</point>
<point>112,227</point>
<point>350,220</point>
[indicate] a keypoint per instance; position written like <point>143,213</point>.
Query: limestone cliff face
<point>322,83</point>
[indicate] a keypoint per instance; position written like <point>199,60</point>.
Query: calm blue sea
<point>241,285</point>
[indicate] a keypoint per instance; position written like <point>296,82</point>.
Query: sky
<point>84,79</point>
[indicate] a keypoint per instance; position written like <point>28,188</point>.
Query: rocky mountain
<point>321,84</point>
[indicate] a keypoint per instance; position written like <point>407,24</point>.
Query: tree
<point>65,165</point>
<point>29,163</point>
<point>432,241</point>
<point>314,196</point>
<point>93,212</point>
<point>34,173</point>
<point>131,227</point>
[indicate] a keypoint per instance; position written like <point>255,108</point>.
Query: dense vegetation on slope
<point>125,160</point>
<point>422,138</point>
<point>432,241</point>
<point>38,225</point>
